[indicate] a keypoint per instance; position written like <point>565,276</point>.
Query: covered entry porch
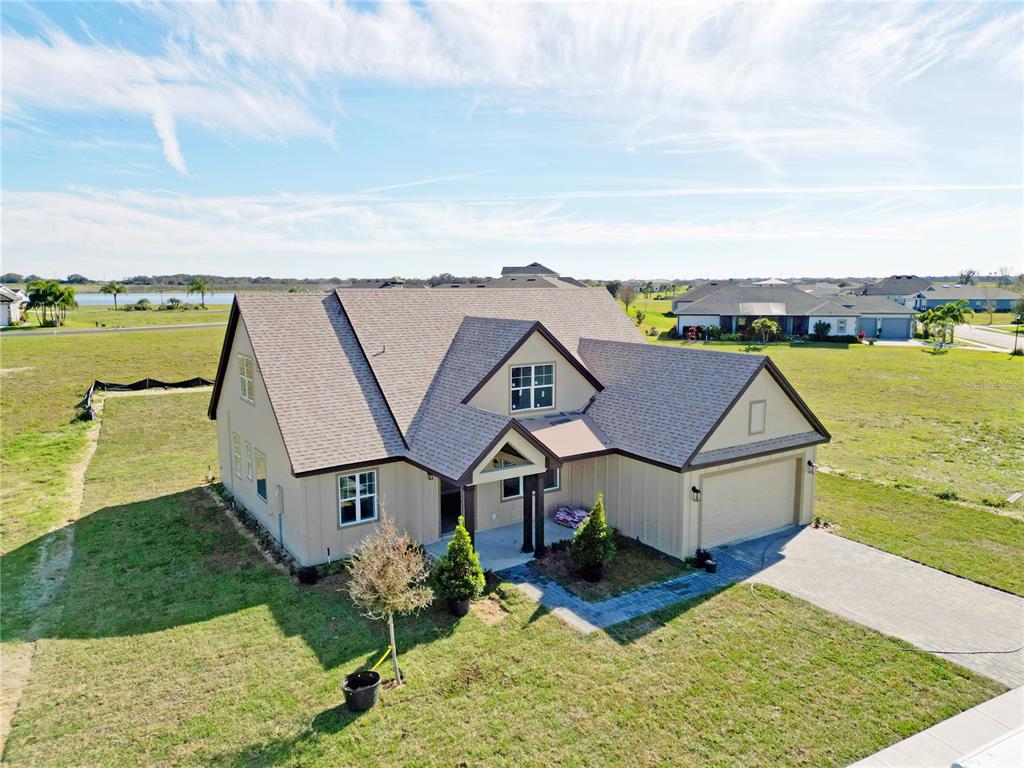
<point>512,473</point>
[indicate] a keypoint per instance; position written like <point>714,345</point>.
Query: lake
<point>102,299</point>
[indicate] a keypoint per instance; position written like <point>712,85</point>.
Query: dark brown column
<point>529,485</point>
<point>469,510</point>
<point>538,516</point>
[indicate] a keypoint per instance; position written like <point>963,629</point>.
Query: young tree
<point>44,296</point>
<point>967,277</point>
<point>201,286</point>
<point>613,287</point>
<point>65,299</point>
<point>627,295</point>
<point>953,314</point>
<point>112,289</point>
<point>822,329</point>
<point>457,574</point>
<point>927,318</point>
<point>990,305</point>
<point>593,545</point>
<point>389,574</point>
<point>766,327</point>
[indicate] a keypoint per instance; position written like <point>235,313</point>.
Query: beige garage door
<point>747,502</point>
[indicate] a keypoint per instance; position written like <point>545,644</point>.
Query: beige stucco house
<point>335,409</point>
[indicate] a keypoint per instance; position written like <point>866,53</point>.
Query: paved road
<point>74,331</point>
<point>980,334</point>
<point>930,609</point>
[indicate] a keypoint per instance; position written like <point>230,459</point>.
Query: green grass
<point>635,565</point>
<point>904,415</point>
<point>44,377</point>
<point>173,643</point>
<point>975,544</point>
<point>980,317</point>
<point>89,317</point>
<point>657,314</point>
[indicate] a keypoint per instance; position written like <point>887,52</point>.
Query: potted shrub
<point>458,575</point>
<point>593,547</point>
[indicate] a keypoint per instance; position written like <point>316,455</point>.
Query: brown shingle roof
<point>328,407</point>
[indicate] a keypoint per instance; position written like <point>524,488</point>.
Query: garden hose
<point>381,659</point>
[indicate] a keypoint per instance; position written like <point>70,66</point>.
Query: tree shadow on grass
<point>176,560</point>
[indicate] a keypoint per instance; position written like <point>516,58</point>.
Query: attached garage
<point>745,502</point>
<point>896,328</point>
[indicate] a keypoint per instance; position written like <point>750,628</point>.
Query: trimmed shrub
<point>593,545</point>
<point>457,574</point>
<point>821,330</point>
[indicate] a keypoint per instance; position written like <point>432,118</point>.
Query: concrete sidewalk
<point>945,743</point>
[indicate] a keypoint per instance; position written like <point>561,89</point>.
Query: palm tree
<point>953,314</point>
<point>927,319</point>
<point>113,288</point>
<point>201,286</point>
<point>65,300</point>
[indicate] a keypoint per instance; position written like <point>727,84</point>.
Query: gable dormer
<point>538,376</point>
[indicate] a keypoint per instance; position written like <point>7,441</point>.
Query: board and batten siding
<point>781,416</point>
<point>572,390</point>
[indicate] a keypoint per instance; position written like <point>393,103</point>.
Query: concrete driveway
<point>981,335</point>
<point>952,617</point>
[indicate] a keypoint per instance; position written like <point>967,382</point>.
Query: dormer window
<point>533,387</point>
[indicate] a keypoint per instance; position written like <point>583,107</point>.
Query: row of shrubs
<point>145,305</point>
<point>714,333</point>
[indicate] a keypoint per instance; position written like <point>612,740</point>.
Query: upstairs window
<point>357,497</point>
<point>533,387</point>
<point>245,378</point>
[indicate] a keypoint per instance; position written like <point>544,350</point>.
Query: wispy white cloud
<point>763,79</point>
<point>131,231</point>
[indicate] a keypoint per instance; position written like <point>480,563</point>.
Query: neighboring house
<point>977,297</point>
<point>732,306</point>
<point>499,405</point>
<point>881,318</point>
<point>12,304</point>
<point>534,275</point>
<point>895,287</point>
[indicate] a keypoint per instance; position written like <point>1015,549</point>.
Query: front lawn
<point>635,565</point>
<point>978,545</point>
<point>108,317</point>
<point>173,643</point>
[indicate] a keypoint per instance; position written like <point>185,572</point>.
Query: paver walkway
<point>946,742</point>
<point>960,620</point>
<point>735,563</point>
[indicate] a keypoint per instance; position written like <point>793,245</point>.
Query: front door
<point>451,507</point>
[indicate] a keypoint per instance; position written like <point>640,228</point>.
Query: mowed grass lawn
<point>172,642</point>
<point>41,380</point>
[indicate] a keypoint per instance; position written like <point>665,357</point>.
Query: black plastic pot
<point>458,607</point>
<point>710,566</point>
<point>592,573</point>
<point>701,556</point>
<point>361,690</point>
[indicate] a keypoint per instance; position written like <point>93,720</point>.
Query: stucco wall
<point>572,391</point>
<point>781,416</point>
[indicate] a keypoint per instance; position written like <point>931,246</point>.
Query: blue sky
<point>604,140</point>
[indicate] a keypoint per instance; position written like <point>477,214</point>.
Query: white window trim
<point>531,387</point>
<point>841,326</point>
<point>266,474</point>
<point>236,455</point>
<point>359,496</point>
<point>246,383</point>
<point>518,495</point>
<point>249,465</point>
<point>558,481</point>
<point>764,417</point>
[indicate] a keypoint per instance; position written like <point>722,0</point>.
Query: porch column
<point>529,485</point>
<point>469,510</point>
<point>538,515</point>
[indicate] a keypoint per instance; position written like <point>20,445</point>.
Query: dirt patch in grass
<point>489,611</point>
<point>635,565</point>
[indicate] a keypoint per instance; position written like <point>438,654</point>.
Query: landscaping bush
<point>713,332</point>
<point>457,574</point>
<point>652,331</point>
<point>730,337</point>
<point>308,575</point>
<point>821,330</point>
<point>593,547</point>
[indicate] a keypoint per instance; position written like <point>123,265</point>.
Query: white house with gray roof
<point>333,410</point>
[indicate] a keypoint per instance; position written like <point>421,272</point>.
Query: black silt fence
<point>89,413</point>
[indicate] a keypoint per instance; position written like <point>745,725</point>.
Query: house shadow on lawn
<point>175,560</point>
